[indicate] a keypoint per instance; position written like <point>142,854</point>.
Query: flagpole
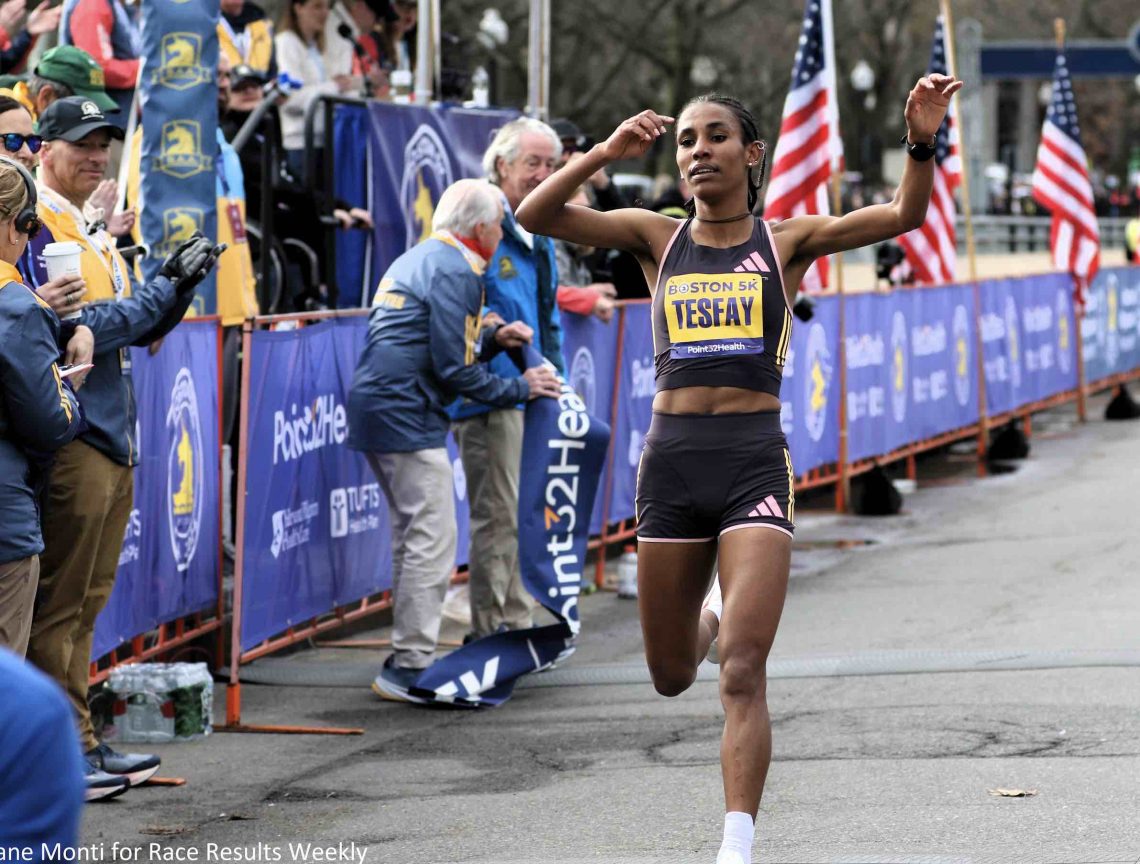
<point>1078,312</point>
<point>967,210</point>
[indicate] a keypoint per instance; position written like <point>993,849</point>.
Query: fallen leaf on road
<point>1013,793</point>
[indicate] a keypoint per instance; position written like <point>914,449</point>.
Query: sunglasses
<point>13,141</point>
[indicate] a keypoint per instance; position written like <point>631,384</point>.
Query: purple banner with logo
<point>416,154</point>
<point>1111,326</point>
<point>635,408</point>
<point>168,566</point>
<point>810,392</point>
<point>317,531</point>
<point>178,97</point>
<point>590,349</point>
<point>1028,340</point>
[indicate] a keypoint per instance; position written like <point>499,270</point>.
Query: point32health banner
<point>178,96</point>
<point>168,566</point>
<point>564,448</point>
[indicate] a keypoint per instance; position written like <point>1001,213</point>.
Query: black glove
<point>191,262</point>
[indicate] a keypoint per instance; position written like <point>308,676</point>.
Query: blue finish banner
<point>416,154</point>
<point>810,392</point>
<point>564,449</point>
<point>1111,326</point>
<point>168,566</point>
<point>179,97</point>
<point>635,408</point>
<point>317,529</point>
<point>590,349</point>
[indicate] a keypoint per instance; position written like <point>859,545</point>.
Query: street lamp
<point>863,82</point>
<point>493,35</point>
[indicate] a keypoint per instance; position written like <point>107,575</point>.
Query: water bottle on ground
<point>627,574</point>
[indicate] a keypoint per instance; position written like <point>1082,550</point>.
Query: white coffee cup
<point>62,259</point>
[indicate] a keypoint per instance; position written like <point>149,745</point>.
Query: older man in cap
<point>90,494</point>
<point>64,71</point>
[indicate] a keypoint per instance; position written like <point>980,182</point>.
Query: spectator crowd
<point>447,324</point>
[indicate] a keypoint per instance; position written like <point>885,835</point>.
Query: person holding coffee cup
<point>90,493</point>
<point>38,411</point>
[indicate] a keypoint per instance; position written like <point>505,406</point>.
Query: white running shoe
<point>728,856</point>
<point>715,604</point>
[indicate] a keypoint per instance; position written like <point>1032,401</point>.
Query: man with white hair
<point>426,340</point>
<point>522,284</point>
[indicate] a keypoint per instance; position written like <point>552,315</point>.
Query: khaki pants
<point>420,500</point>
<point>18,580</point>
<point>491,448</point>
<point>88,503</point>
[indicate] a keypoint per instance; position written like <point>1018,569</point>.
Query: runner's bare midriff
<point>713,400</point>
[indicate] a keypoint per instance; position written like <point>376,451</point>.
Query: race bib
<point>713,314</point>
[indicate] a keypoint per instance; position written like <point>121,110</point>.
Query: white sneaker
<point>727,856</point>
<point>715,604</point>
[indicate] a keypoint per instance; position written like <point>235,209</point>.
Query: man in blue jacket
<point>426,338</point>
<point>522,284</point>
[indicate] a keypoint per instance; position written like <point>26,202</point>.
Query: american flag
<point>1061,183</point>
<point>810,148</point>
<point>931,248</point>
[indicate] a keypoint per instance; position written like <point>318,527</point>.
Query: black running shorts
<point>704,474</point>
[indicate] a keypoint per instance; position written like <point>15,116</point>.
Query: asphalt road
<point>1026,585</point>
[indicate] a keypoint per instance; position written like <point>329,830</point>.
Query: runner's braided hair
<point>748,131</point>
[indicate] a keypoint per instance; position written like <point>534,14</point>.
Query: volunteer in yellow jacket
<point>90,494</point>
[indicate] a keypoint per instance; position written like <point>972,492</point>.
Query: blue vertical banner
<point>179,99</point>
<point>168,566</point>
<point>590,349</point>
<point>564,448</point>
<point>416,154</point>
<point>351,184</point>
<point>943,373</point>
<point>810,390</point>
<point>462,509</point>
<point>636,389</point>
<point>317,531</point>
<point>1111,326</point>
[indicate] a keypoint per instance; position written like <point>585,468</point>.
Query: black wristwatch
<point>919,152</point>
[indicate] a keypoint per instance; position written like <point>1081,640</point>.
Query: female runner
<point>715,463</point>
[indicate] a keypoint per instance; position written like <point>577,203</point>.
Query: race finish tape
<point>564,450</point>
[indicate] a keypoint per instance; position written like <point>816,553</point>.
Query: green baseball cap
<point>75,68</point>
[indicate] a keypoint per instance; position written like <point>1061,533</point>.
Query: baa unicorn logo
<point>181,154</point>
<point>427,172</point>
<point>178,226</point>
<point>819,372</point>
<point>181,62</point>
<point>184,470</point>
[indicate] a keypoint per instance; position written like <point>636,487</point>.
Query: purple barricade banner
<point>564,449</point>
<point>590,349</point>
<point>168,566</point>
<point>317,532</point>
<point>416,154</point>
<point>1111,326</point>
<point>810,392</point>
<point>635,408</point>
<point>1028,340</point>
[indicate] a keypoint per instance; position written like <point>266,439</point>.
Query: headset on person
<point>27,221</point>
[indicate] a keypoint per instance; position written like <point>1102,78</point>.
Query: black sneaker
<point>102,786</point>
<point>136,767</point>
<point>395,682</point>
